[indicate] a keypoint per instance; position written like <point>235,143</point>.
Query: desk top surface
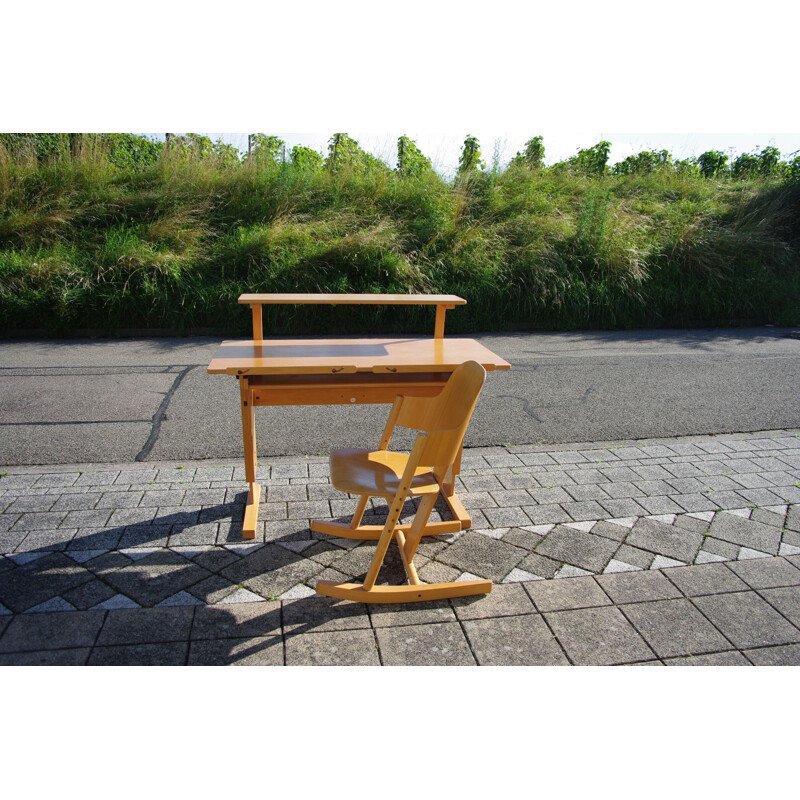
<point>332,356</point>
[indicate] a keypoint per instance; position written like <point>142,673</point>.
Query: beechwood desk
<point>342,371</point>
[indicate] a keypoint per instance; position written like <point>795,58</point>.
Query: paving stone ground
<point>666,552</point>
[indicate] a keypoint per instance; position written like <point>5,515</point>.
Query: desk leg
<point>250,461</point>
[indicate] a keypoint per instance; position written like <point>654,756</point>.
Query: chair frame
<point>440,447</point>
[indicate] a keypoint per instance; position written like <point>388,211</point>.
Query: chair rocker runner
<point>428,470</point>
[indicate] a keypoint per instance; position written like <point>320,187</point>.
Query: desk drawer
<point>345,389</point>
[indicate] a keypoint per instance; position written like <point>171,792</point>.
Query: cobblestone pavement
<point>669,551</point>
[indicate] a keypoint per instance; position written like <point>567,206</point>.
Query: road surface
<point>106,401</point>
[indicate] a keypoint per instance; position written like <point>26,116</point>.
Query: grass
<point>88,246</point>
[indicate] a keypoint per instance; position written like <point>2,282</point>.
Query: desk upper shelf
<point>450,300</point>
<point>443,302</point>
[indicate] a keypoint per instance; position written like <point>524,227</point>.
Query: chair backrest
<point>449,412</point>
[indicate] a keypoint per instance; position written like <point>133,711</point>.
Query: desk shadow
<point>132,573</point>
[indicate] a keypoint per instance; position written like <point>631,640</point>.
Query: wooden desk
<point>354,370</point>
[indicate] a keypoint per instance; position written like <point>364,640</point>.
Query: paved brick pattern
<point>678,551</point>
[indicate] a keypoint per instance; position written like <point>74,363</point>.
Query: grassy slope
<point>85,246</point>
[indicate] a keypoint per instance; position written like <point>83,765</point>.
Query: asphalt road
<point>107,401</point>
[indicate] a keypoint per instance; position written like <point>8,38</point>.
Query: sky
<point>688,76</point>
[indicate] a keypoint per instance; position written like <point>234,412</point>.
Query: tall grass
<point>88,246</point>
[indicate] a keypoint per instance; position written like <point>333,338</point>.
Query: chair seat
<point>377,472</point>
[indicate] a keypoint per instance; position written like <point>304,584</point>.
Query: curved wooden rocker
<point>428,470</point>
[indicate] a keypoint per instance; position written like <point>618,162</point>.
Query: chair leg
<point>358,514</point>
<point>418,527</point>
<point>395,510</point>
<point>386,536</point>
<point>403,594</point>
<point>372,533</point>
<point>408,543</point>
<point>355,530</point>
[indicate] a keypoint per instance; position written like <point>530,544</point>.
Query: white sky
<point>688,76</point>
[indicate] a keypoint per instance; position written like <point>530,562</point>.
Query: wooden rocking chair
<point>430,467</point>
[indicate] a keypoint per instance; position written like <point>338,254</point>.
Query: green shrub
<point>712,163</point>
<point>111,231</point>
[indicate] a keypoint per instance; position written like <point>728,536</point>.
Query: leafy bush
<point>128,151</point>
<point>306,159</point>
<point>266,150</point>
<point>766,164</point>
<point>745,166</point>
<point>533,155</point>
<point>644,163</point>
<point>470,159</point>
<point>594,160</point>
<point>411,163</point>
<point>712,163</point>
<point>112,231</point>
<point>791,171</point>
<point>345,154</point>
